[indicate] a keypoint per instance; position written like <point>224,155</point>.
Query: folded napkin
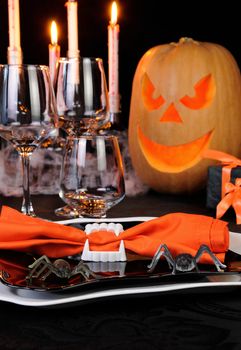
<point>182,233</point>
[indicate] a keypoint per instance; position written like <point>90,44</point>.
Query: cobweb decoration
<point>45,169</point>
<point>134,186</point>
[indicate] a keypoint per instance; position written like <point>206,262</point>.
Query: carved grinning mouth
<point>173,159</point>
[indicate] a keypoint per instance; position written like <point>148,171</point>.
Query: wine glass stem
<point>27,207</point>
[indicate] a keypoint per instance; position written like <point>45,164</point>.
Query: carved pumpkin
<point>186,97</point>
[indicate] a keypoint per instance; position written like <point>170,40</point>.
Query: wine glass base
<point>28,211</point>
<point>92,207</point>
<point>67,212</point>
<point>71,213</point>
<point>32,214</point>
<point>93,215</point>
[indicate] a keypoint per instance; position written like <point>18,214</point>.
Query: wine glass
<point>92,179</point>
<point>82,102</point>
<point>27,114</point>
<point>82,96</point>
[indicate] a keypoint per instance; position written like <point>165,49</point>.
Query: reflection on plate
<point>132,274</point>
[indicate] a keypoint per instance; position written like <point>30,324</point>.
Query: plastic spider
<point>43,267</point>
<point>184,262</point>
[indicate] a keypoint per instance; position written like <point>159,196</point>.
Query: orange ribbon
<point>229,162</point>
<point>232,198</point>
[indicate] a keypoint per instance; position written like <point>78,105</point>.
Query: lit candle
<point>72,15</point>
<point>54,52</point>
<point>113,60</point>
<point>14,49</point>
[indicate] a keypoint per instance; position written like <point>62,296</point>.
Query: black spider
<point>43,267</point>
<point>184,262</point>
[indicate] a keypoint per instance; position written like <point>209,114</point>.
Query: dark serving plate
<point>116,275</point>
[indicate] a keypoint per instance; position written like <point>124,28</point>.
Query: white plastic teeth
<point>116,228</point>
<point>106,256</point>
<point>100,266</point>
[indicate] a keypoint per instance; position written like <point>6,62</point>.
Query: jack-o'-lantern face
<point>185,99</point>
<point>181,155</point>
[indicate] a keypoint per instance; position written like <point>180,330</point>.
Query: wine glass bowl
<point>82,96</point>
<point>27,114</point>
<point>82,102</point>
<point>92,179</point>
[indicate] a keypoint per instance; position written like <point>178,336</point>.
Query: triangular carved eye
<point>147,95</point>
<point>205,90</point>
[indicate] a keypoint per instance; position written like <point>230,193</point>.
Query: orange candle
<point>54,52</point>
<point>113,60</point>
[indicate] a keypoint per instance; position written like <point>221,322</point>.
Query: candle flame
<point>54,33</point>
<point>113,20</point>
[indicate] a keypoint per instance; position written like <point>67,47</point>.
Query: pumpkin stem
<point>187,40</point>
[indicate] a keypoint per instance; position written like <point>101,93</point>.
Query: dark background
<point>143,24</point>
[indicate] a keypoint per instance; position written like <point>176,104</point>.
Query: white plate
<point>48,299</point>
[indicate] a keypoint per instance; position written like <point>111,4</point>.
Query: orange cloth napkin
<point>182,233</point>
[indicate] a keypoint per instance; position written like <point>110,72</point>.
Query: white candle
<point>88,85</point>
<point>34,94</point>
<point>54,53</point>
<point>101,154</point>
<point>14,49</point>
<point>72,15</point>
<point>113,61</point>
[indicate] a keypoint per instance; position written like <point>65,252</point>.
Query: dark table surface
<point>152,204</point>
<point>205,319</point>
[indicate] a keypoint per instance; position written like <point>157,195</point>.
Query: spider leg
<point>205,249</point>
<point>84,271</point>
<point>42,268</point>
<point>50,269</point>
<point>162,250</point>
<point>196,265</point>
<point>38,267</point>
